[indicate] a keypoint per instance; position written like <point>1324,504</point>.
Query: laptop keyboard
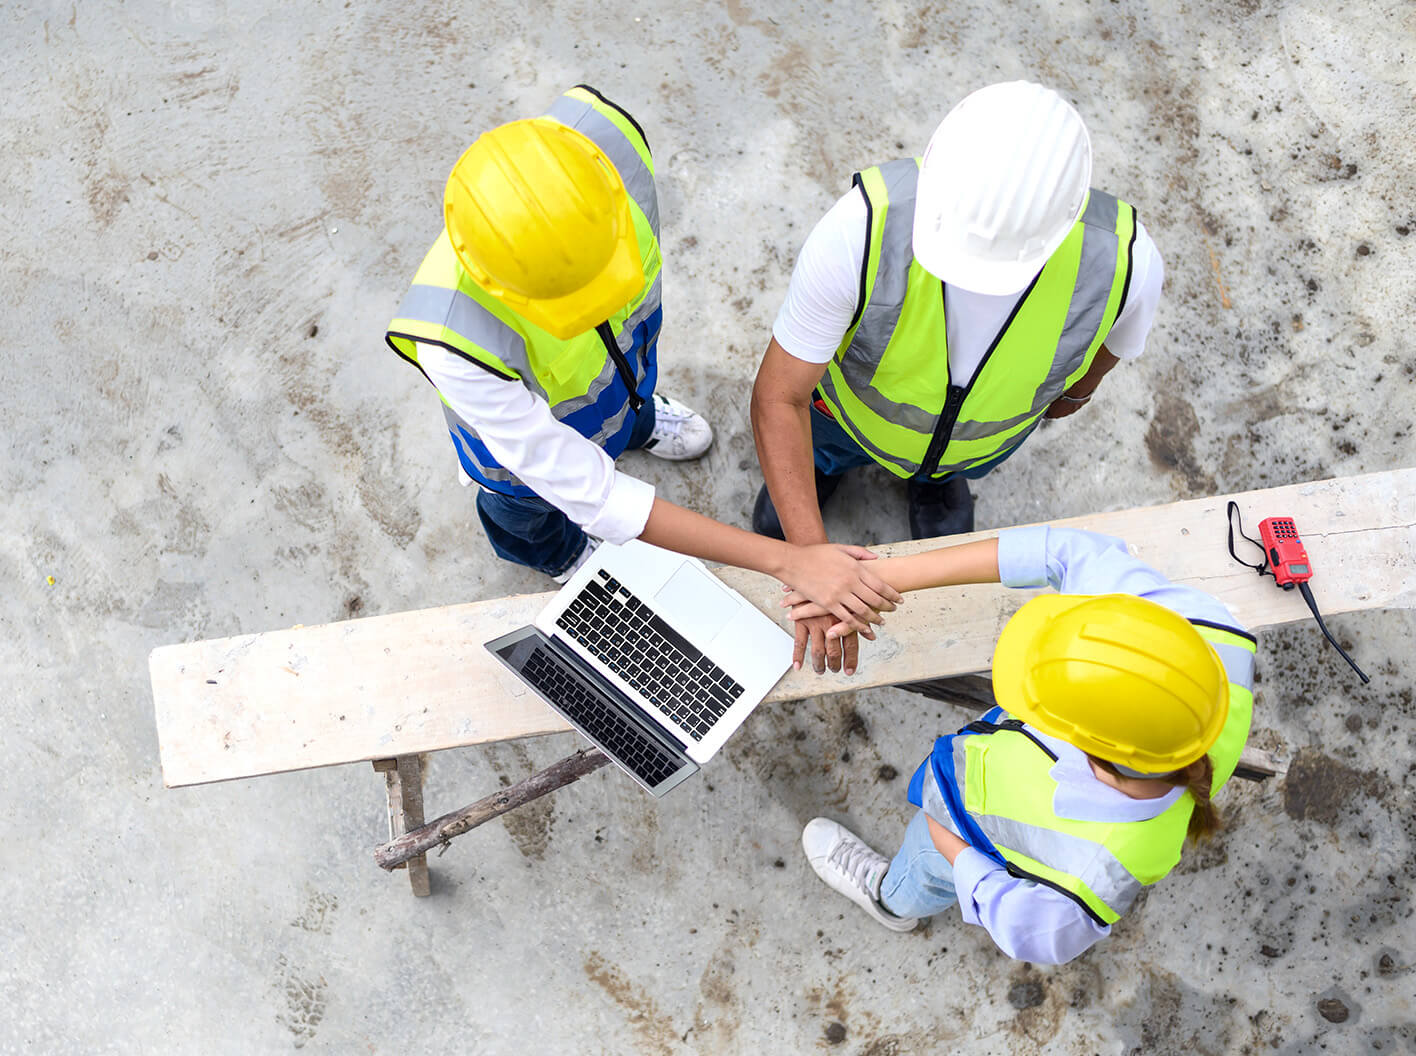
<point>613,731</point>
<point>660,664</point>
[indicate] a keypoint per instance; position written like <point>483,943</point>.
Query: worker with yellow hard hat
<point>939,311</point>
<point>1123,705</point>
<point>536,315</point>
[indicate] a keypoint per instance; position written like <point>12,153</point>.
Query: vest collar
<point>1081,797</point>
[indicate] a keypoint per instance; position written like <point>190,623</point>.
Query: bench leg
<point>416,842</point>
<point>403,777</point>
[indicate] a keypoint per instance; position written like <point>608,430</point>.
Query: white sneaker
<point>679,433</point>
<point>848,865</point>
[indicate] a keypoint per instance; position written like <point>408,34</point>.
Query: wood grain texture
<point>421,681</point>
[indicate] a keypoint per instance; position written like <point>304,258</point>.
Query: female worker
<point>1124,702</point>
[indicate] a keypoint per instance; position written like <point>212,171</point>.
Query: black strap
<point>1232,513</point>
<point>1020,873</point>
<point>1012,725</point>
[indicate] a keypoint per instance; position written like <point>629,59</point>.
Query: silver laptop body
<point>651,657</point>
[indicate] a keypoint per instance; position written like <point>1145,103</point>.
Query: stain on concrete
<point>305,503</point>
<point>1334,1009</point>
<point>1080,983</point>
<point>1027,993</point>
<point>716,1019</point>
<point>1318,788</point>
<point>176,608</point>
<point>926,26</point>
<point>318,915</point>
<point>1170,441</point>
<point>530,824</point>
<point>890,1045</point>
<point>645,858</point>
<point>649,1023</point>
<point>185,530</point>
<point>305,999</point>
<point>1165,1017</point>
<point>1207,854</point>
<point>1038,1005</point>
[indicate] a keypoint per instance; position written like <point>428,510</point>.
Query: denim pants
<point>920,880</point>
<point>530,531</point>
<point>835,451</point>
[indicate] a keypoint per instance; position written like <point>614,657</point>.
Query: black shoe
<point>940,507</point>
<point>764,514</point>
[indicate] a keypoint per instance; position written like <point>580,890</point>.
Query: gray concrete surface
<point>211,208</point>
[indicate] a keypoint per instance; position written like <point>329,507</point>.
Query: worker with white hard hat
<point>536,315</point>
<point>1123,705</point>
<point>939,311</point>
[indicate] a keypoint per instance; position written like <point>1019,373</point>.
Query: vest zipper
<point>955,396</point>
<point>626,374</point>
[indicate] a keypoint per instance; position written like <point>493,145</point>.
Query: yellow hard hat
<point>539,217</point>
<point>1119,677</point>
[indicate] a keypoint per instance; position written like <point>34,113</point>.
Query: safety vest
<point>991,785</point>
<point>594,382</point>
<point>888,384</point>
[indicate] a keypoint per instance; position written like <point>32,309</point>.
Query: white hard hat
<point>1004,178</point>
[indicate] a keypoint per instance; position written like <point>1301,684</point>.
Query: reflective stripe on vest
<point>994,789</point>
<point>577,377</point>
<point>888,384</point>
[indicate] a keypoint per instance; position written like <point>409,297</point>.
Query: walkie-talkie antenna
<point>1308,597</point>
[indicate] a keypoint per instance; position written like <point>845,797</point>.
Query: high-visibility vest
<point>594,382</point>
<point>888,384</point>
<point>991,785</point>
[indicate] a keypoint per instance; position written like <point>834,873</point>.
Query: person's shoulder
<point>846,217</point>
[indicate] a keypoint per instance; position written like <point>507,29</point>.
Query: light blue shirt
<point>1027,920</point>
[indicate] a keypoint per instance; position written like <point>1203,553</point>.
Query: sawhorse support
<point>403,777</point>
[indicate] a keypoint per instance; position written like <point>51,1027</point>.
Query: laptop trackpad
<point>695,604</point>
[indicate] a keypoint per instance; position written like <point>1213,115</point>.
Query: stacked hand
<point>833,596</point>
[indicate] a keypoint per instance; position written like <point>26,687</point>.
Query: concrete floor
<point>212,208</point>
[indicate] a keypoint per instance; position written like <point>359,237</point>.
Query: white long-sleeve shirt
<point>1028,920</point>
<point>825,285</point>
<point>573,474</point>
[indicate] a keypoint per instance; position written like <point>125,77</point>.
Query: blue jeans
<point>530,531</point>
<point>835,451</point>
<point>920,880</point>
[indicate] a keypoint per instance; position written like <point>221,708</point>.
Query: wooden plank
<point>416,682</point>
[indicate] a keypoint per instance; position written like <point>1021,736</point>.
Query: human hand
<point>827,650</point>
<point>838,578</point>
<point>808,613</point>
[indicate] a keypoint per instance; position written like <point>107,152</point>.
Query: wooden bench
<point>388,689</point>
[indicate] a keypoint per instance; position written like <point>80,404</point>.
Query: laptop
<point>651,657</point>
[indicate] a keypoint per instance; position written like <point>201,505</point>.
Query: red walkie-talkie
<point>1287,561</point>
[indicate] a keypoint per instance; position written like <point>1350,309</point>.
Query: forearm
<point>945,842</point>
<point>975,562</point>
<point>1084,386</point>
<point>782,432</point>
<point>683,531</point>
